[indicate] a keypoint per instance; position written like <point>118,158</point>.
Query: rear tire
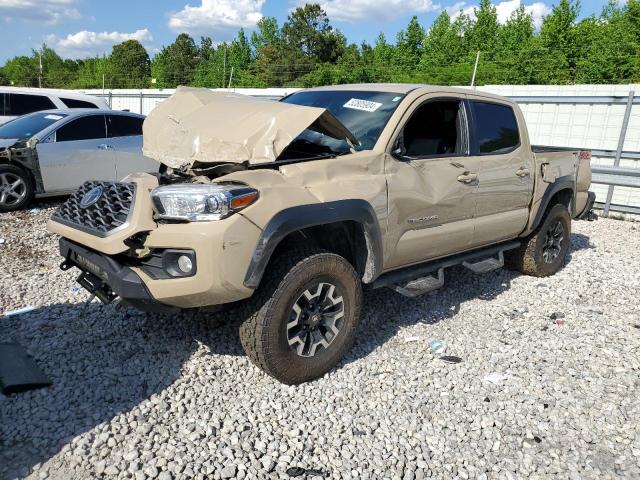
<point>303,317</point>
<point>544,251</point>
<point>16,188</point>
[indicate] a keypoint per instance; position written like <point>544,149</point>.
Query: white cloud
<point>220,18</point>
<point>44,11</point>
<point>537,10</point>
<point>455,10</point>
<point>372,10</point>
<point>84,43</point>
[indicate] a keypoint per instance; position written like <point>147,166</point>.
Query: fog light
<point>185,264</point>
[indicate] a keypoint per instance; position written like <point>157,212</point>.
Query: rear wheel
<point>543,252</point>
<point>303,317</point>
<point>16,189</point>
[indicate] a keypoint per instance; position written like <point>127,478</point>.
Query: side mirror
<point>399,151</point>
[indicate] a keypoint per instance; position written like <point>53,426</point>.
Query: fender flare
<point>299,217</point>
<point>566,182</point>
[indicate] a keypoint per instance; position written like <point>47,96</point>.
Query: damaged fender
<point>23,154</point>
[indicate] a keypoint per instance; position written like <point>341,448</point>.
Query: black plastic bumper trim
<point>123,281</point>
<point>587,212</point>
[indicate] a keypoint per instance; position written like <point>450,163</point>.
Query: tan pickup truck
<point>289,209</point>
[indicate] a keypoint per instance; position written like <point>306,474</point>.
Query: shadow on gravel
<point>385,312</point>
<point>578,242</point>
<point>103,362</point>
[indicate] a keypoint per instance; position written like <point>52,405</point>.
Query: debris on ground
<point>450,359</point>
<point>495,377</point>
<point>411,339</point>
<point>18,311</point>
<point>437,347</point>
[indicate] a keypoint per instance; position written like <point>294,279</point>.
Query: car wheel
<point>543,252</point>
<point>303,317</point>
<point>16,189</point>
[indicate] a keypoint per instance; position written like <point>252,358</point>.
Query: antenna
<point>475,69</point>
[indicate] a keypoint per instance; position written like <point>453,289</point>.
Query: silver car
<point>54,151</point>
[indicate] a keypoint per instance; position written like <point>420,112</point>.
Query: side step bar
<point>486,265</point>
<point>419,279</point>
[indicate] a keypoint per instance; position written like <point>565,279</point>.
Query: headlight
<point>201,203</point>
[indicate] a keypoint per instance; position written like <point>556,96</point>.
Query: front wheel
<point>16,189</point>
<point>543,252</point>
<point>304,316</point>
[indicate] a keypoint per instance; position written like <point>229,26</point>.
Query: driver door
<point>432,182</point>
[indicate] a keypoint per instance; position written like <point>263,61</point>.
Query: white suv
<point>15,102</point>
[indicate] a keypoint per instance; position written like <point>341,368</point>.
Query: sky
<point>83,28</point>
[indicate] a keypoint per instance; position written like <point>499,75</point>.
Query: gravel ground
<point>549,383</point>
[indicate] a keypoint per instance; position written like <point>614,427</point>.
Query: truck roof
<point>404,88</point>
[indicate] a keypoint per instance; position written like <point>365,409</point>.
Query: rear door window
<point>84,128</point>
<point>73,103</point>
<point>496,128</point>
<point>124,125</point>
<point>20,104</point>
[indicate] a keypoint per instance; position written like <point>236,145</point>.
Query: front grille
<point>109,212</point>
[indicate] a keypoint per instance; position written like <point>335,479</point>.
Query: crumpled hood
<point>196,125</point>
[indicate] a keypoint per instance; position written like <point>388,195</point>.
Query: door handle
<point>104,146</point>
<point>468,177</point>
<point>523,172</point>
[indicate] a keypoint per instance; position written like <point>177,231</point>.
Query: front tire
<point>16,188</point>
<point>544,251</point>
<point>304,316</point>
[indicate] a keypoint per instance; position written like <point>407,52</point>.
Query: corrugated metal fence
<point>602,118</point>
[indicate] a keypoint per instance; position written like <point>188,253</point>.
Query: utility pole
<point>230,78</point>
<point>40,72</point>
<point>475,69</point>
<point>224,65</point>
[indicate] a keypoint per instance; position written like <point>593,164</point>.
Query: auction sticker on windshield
<point>364,105</point>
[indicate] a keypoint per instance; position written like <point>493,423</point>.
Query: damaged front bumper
<point>108,279</point>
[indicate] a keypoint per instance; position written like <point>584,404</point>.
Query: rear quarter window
<point>73,103</point>
<point>17,104</point>
<point>496,128</point>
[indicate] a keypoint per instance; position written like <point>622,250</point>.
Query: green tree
<point>267,34</point>
<point>176,64</point>
<point>483,35</point>
<point>557,53</point>
<point>22,71</point>
<point>608,47</point>
<point>446,58</point>
<point>131,67</point>
<point>409,45</point>
<point>92,72</point>
<point>514,52</point>
<point>307,30</point>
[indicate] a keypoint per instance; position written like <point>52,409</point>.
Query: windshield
<point>28,125</point>
<point>364,113</point>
